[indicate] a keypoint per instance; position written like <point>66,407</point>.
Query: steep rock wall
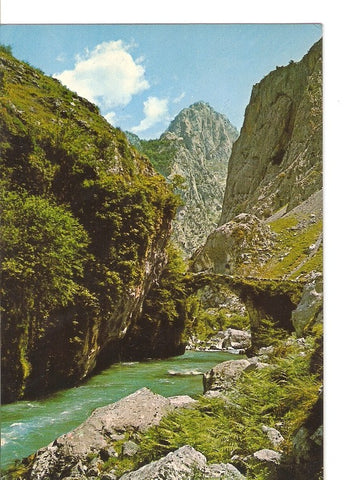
<point>275,178</point>
<point>277,159</point>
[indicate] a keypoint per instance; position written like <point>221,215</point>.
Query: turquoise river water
<point>27,426</point>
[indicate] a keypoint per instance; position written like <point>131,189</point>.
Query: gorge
<point>119,289</point>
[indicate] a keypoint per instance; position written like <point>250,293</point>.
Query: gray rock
<point>129,449</point>
<point>223,375</point>
<point>230,339</point>
<point>268,456</point>
<point>178,465</point>
<point>197,146</point>
<point>256,366</point>
<point>183,464</point>
<point>214,394</point>
<point>78,469</point>
<point>137,412</point>
<point>203,141</point>
<point>318,436</point>
<point>234,245</point>
<point>274,435</point>
<point>225,471</point>
<point>182,401</point>
<point>280,142</point>
<point>310,308</point>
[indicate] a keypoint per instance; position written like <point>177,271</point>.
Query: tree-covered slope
<point>85,225</point>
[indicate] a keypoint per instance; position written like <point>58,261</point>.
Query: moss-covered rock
<point>86,224</point>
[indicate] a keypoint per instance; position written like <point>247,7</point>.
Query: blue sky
<point>142,75</point>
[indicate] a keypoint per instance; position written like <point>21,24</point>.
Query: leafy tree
<point>43,251</point>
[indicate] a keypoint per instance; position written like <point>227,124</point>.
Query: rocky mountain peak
<point>195,148</point>
<point>209,133</point>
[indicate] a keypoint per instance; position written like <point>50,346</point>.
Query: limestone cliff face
<point>193,155</point>
<point>85,225</point>
<point>235,245</point>
<point>208,135</point>
<point>275,179</point>
<point>277,159</point>
<point>204,140</point>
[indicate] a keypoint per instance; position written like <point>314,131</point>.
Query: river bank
<point>28,426</point>
<point>250,422</point>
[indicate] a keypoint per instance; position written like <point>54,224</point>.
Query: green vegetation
<point>83,211</point>
<point>160,152</point>
<point>7,49</point>
<point>293,256</point>
<point>204,323</point>
<point>45,251</point>
<point>159,331</point>
<point>280,396</point>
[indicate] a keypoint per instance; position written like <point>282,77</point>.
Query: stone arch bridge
<point>269,302</point>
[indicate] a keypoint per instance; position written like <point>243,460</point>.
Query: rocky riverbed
<point>230,340</point>
<point>100,447</point>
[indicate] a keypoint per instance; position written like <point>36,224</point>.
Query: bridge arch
<point>269,302</point>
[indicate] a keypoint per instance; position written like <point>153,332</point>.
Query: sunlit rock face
<point>193,154</point>
<point>277,159</point>
<point>274,178</point>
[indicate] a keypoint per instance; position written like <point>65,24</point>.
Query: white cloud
<point>155,110</point>
<point>111,117</point>
<point>107,76</point>
<point>179,97</point>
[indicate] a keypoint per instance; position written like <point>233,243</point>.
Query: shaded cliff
<point>85,226</point>
<point>193,155</point>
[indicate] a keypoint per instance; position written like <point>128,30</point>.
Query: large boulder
<point>184,463</point>
<point>223,376</point>
<point>274,436</point>
<point>235,246</point>
<point>310,308</point>
<point>231,340</point>
<point>94,437</point>
<point>236,339</point>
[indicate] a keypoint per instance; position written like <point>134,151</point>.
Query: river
<point>27,426</point>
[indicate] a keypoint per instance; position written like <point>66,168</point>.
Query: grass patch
<point>292,256</point>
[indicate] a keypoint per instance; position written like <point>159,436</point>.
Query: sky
<point>142,75</point>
